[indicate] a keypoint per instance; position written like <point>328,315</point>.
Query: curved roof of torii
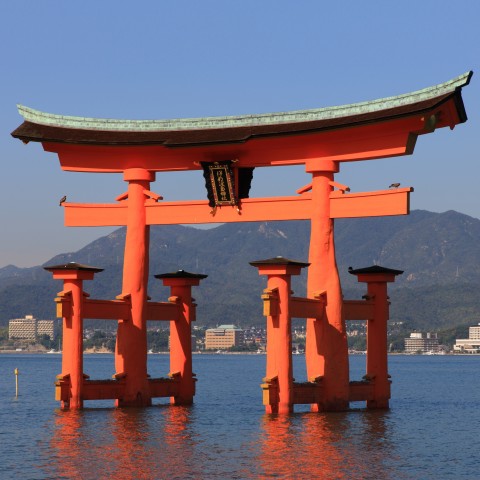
<point>44,127</point>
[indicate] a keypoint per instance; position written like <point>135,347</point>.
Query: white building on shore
<point>420,342</point>
<point>470,344</point>
<point>29,328</point>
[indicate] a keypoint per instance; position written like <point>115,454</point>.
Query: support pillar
<point>376,278</point>
<point>73,274</point>
<point>180,284</point>
<point>279,328</point>
<point>131,347</point>
<point>326,351</point>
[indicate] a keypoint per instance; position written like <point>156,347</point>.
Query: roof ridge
<point>249,120</point>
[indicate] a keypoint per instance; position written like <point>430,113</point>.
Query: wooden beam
<point>358,309</point>
<point>386,138</point>
<point>250,210</point>
<point>342,205</point>
<point>306,308</point>
<point>361,391</point>
<point>370,204</point>
<point>95,214</point>
<point>106,309</point>
<point>118,309</point>
<point>190,212</point>
<point>163,311</point>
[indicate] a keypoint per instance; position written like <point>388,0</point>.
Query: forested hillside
<point>439,253</point>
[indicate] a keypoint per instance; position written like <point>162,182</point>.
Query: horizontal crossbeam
<point>118,309</point>
<point>342,205</point>
<point>358,309</point>
<point>114,389</point>
<point>307,308</point>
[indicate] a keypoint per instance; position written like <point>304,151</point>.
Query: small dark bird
<point>62,200</point>
<point>394,185</point>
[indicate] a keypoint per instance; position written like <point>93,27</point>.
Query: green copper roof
<point>64,121</point>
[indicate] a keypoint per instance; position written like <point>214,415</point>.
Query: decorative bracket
<point>271,302</point>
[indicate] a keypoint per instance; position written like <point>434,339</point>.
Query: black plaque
<point>220,183</point>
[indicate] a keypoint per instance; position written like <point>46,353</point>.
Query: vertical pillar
<point>67,335</point>
<point>131,347</point>
<point>377,278</point>
<point>326,349</point>
<point>73,274</point>
<point>180,284</point>
<point>279,328</point>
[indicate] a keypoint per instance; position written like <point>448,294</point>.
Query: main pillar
<point>376,278</point>
<point>180,284</point>
<point>73,274</point>
<point>326,349</point>
<point>131,347</point>
<point>279,328</point>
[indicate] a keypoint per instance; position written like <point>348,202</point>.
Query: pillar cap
<point>279,261</point>
<point>373,270</point>
<point>181,274</point>
<point>73,266</point>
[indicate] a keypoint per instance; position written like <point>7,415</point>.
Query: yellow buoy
<point>16,382</point>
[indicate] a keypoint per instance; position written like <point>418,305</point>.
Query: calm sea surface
<point>432,430</point>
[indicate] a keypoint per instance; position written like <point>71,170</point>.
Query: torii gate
<point>320,139</point>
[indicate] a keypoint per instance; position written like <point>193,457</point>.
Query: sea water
<point>432,430</point>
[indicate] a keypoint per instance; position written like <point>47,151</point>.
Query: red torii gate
<point>321,139</point>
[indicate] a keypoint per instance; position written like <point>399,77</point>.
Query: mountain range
<point>438,252</point>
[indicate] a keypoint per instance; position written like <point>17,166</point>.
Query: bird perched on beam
<point>62,200</point>
<point>394,185</point>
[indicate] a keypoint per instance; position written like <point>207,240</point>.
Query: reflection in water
<point>175,443</point>
<point>431,431</point>
<point>179,446</point>
<point>125,444</point>
<point>350,445</point>
<point>68,442</point>
<point>130,451</point>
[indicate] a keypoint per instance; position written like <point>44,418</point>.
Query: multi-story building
<point>29,328</point>
<point>223,337</point>
<point>470,344</point>
<point>46,327</point>
<point>474,332</point>
<point>422,342</point>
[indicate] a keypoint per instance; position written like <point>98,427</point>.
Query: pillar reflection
<point>125,444</point>
<point>304,446</point>
<point>327,446</point>
<point>179,445</point>
<point>68,443</point>
<point>130,450</point>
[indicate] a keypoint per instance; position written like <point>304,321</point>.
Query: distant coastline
<point>106,352</point>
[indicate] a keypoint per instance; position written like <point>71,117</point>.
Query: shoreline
<point>26,352</point>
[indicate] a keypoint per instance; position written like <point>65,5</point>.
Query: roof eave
<point>231,130</point>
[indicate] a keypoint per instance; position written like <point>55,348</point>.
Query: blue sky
<point>172,59</point>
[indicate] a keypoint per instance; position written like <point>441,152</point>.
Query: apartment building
<point>224,337</point>
<point>29,328</point>
<point>422,342</point>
